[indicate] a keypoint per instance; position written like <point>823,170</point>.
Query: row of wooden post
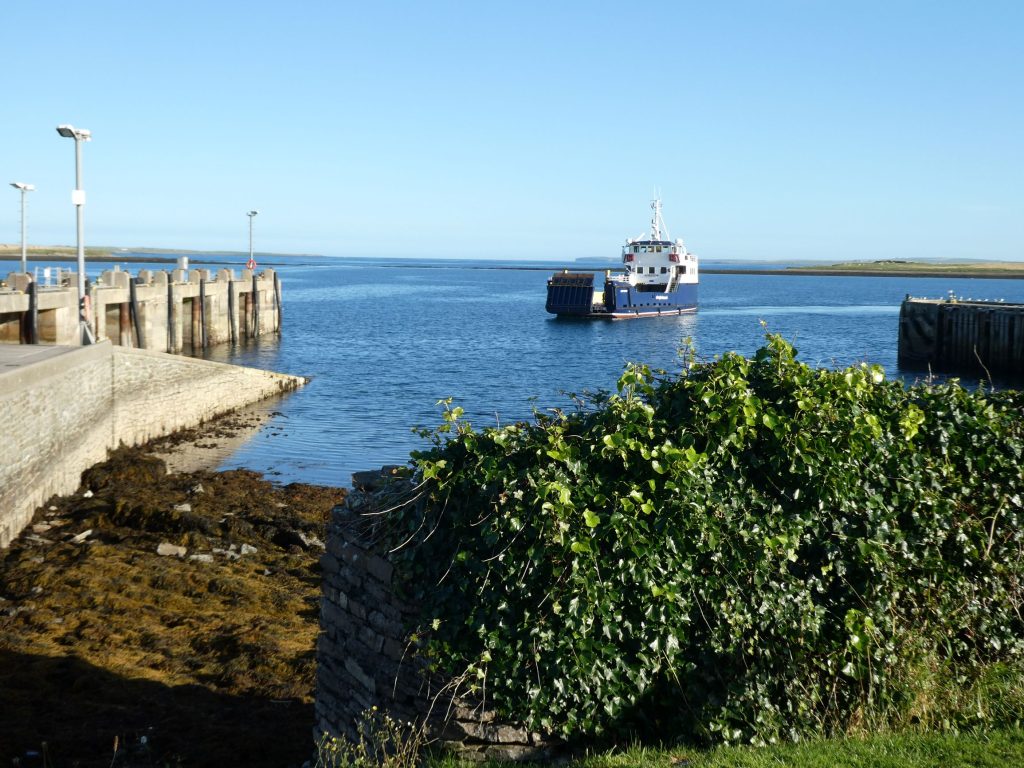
<point>129,317</point>
<point>251,310</point>
<point>30,320</point>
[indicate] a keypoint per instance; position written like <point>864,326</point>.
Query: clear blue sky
<point>775,130</point>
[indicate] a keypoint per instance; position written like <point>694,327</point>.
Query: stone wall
<point>55,416</point>
<point>62,413</point>
<point>158,393</point>
<point>364,653</point>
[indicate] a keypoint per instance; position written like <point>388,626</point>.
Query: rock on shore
<point>174,616</point>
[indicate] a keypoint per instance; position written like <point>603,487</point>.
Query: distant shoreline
<point>983,270</point>
<point>970,272</point>
<point>882,268</point>
<point>62,253</point>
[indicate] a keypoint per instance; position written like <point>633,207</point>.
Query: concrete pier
<point>176,311</point>
<point>63,407</point>
<point>952,335</point>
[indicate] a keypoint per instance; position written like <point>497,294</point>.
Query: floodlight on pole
<point>24,243</point>
<point>252,262</point>
<point>78,199</point>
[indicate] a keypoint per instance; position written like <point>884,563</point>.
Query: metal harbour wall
<point>177,311</point>
<point>951,335</point>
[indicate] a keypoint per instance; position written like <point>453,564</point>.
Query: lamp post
<point>24,243</point>
<point>252,262</point>
<point>78,199</point>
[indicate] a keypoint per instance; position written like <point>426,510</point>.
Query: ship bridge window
<point>664,270</point>
<point>650,270</point>
<point>636,249</point>
<point>659,249</point>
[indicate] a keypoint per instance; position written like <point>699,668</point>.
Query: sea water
<point>385,340</point>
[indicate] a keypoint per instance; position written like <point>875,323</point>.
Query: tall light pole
<point>252,262</point>
<point>78,198</point>
<point>24,243</point>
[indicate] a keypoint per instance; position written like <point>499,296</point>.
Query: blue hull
<point>572,295</point>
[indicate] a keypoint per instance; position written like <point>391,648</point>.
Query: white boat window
<point>664,270</point>
<point>659,249</point>
<point>650,270</point>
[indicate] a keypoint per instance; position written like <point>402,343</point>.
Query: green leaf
<point>792,547</point>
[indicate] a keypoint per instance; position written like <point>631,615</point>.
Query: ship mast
<point>657,223</point>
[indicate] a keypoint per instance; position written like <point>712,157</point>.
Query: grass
<point>907,267</point>
<point>112,253</point>
<point>998,749</point>
<point>37,252</point>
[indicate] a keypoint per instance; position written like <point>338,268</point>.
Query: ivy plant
<point>750,550</point>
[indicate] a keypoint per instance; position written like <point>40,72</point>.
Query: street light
<point>252,262</point>
<point>78,199</point>
<point>24,247</point>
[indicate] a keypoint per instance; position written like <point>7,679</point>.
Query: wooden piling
<point>247,313</point>
<point>202,312</point>
<point>232,313</point>
<point>124,324</point>
<point>197,331</point>
<point>255,307</point>
<point>277,302</point>
<point>981,338</point>
<point>92,317</point>
<point>133,303</point>
<point>172,315</point>
<point>32,329</point>
<point>151,311</point>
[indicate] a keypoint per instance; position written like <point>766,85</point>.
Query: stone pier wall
<point>365,655</point>
<point>62,414</point>
<point>177,311</point>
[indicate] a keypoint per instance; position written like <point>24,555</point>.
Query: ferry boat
<point>660,278</point>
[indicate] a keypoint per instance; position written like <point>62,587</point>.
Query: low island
<point>876,268</point>
<point>68,253</point>
<point>891,268</point>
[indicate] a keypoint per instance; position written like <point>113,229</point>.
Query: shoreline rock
<point>207,658</point>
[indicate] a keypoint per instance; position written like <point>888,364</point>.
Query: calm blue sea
<point>385,340</point>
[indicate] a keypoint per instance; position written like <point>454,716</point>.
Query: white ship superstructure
<point>660,277</point>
